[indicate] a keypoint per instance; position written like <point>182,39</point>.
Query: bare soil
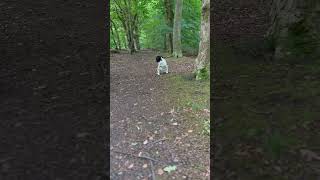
<point>145,122</point>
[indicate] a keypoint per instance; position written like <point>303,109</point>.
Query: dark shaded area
<point>53,108</point>
<point>265,112</point>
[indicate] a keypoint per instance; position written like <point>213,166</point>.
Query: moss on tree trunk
<point>203,58</point>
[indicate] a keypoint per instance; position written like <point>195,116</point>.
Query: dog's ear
<point>158,58</point>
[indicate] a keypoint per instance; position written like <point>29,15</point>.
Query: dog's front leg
<point>158,71</point>
<point>167,70</point>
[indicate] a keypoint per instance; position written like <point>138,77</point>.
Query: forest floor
<point>266,115</point>
<point>162,117</point>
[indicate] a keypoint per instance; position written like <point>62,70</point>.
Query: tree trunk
<point>136,33</point>
<point>203,58</point>
<point>177,51</point>
<point>112,27</point>
<point>168,4</point>
<point>113,36</point>
<point>124,12</point>
<point>132,48</point>
<point>295,29</point>
<point>117,34</point>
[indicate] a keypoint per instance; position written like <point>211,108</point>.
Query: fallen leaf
<point>145,142</point>
<point>133,144</point>
<point>170,168</point>
<point>190,131</point>
<point>151,138</point>
<point>145,166</point>
<point>162,114</point>
<point>175,124</point>
<point>131,166</point>
<point>160,172</point>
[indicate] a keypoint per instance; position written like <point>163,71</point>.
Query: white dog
<point>162,65</point>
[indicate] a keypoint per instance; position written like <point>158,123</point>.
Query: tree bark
<point>203,58</point>
<point>136,33</point>
<point>168,4</point>
<point>295,29</point>
<point>116,34</point>
<point>177,51</point>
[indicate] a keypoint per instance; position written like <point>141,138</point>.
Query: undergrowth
<point>193,97</point>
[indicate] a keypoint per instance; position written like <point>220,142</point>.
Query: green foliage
<point>191,19</point>
<point>152,25</point>
<point>202,74</point>
<point>276,144</point>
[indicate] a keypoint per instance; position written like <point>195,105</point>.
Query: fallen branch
<point>152,170</point>
<point>143,157</point>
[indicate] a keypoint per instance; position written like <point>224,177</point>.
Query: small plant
<point>202,74</point>
<point>206,127</point>
<point>195,106</point>
<point>276,144</point>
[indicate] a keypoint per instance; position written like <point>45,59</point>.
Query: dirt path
<point>144,122</point>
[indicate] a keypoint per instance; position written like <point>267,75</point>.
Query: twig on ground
<point>154,142</point>
<point>152,171</point>
<point>143,157</point>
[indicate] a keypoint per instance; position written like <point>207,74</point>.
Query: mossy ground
<point>192,97</point>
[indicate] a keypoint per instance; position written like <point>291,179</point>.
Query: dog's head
<point>158,59</point>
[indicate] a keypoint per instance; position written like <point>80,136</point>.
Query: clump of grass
<point>202,74</point>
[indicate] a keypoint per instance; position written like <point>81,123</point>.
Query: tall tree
<point>168,5</point>
<point>115,34</point>
<point>128,15</point>
<point>295,29</point>
<point>203,58</point>
<point>113,37</point>
<point>136,35</point>
<point>177,50</point>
